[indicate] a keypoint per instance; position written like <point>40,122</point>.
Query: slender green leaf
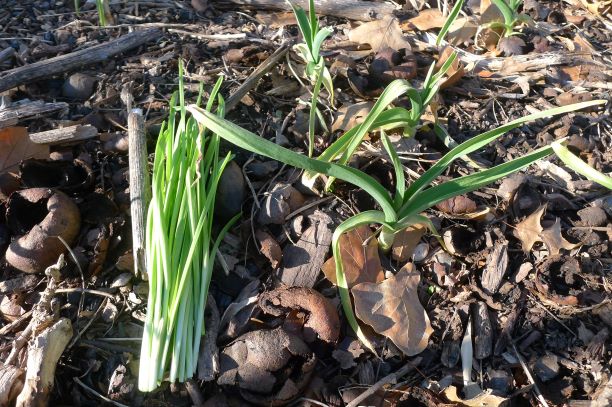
<point>483,139</point>
<point>253,143</point>
<point>505,10</point>
<point>449,21</point>
<point>303,23</point>
<point>318,41</point>
<point>582,168</point>
<point>400,180</point>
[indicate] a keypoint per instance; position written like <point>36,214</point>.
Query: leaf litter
<point>538,273</point>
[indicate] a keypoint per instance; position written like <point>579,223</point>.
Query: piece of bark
<point>353,10</point>
<point>65,135</point>
<point>451,348</point>
<point>302,262</point>
<point>74,60</point>
<point>11,383</point>
<point>44,352</point>
<point>139,187</point>
<point>208,359</point>
<point>483,333</point>
<point>497,263</point>
<point>502,340</point>
<point>11,116</point>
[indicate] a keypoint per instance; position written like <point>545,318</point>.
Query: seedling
<point>405,207</point>
<point>317,72</point>
<point>180,247</point>
<point>511,16</point>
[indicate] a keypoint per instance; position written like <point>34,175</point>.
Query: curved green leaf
<point>582,168</point>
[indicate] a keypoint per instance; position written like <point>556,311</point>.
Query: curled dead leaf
<point>393,309</point>
<point>457,205</point>
<point>269,248</point>
<point>322,319</point>
<point>40,215</point>
<point>269,367</point>
<point>529,229</point>
<point>359,252</point>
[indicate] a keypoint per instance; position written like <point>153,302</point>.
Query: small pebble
<point>78,86</point>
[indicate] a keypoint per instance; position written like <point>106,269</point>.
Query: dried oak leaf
<point>406,241</point>
<point>269,248</point>
<point>322,320</point>
<point>16,146</point>
<point>393,309</point>
<point>426,20</point>
<point>380,34</point>
<point>348,116</point>
<point>553,239</point>
<point>359,252</point>
<point>528,230</point>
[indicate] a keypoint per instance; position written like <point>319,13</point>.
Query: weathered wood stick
<point>6,54</point>
<point>14,114</point>
<point>64,135</point>
<point>352,9</point>
<point>255,76</point>
<point>64,63</point>
<point>139,188</point>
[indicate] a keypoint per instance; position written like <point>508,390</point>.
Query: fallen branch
<point>11,116</point>
<point>64,135</point>
<point>64,63</point>
<point>351,9</point>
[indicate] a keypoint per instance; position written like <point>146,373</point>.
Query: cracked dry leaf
<point>393,309</point>
<point>553,239</point>
<point>528,231</point>
<point>384,33</point>
<point>361,262</point>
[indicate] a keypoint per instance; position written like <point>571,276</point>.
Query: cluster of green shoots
<point>317,72</point>
<point>511,16</point>
<point>180,249</point>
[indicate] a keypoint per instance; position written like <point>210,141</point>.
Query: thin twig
<point>535,388</point>
<point>385,380</point>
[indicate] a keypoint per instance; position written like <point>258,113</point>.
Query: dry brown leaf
<point>456,70</point>
<point>553,239</point>
<point>16,146</point>
<point>269,248</point>
<point>463,30</point>
<point>361,262</point>
<point>350,115</point>
<point>528,231</point>
<point>276,20</point>
<point>426,20</point>
<point>457,205</point>
<point>393,309</point>
<point>484,399</point>
<point>385,33</point>
<point>405,242</point>
<point>597,7</point>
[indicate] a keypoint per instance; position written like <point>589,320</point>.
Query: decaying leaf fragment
<point>269,367</point>
<point>484,399</point>
<point>322,319</point>
<point>16,146</point>
<point>359,252</point>
<point>393,309</point>
<point>553,239</point>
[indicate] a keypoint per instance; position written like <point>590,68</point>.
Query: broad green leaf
<point>303,23</point>
<point>253,143</point>
<point>582,168</point>
<point>400,181</point>
<point>505,10</point>
<point>483,139</point>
